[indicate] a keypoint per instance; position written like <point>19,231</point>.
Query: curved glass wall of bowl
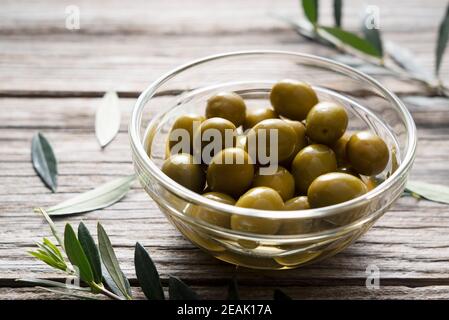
<point>316,233</point>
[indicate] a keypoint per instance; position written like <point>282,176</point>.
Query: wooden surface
<point>51,80</point>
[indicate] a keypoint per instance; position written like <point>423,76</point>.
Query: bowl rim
<point>197,199</point>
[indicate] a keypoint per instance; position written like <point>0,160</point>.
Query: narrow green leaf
<point>405,59</point>
<point>429,191</point>
<point>53,247</point>
<point>70,293</point>
<point>280,295</point>
<point>352,40</point>
<point>338,4</point>
<point>91,251</point>
<point>46,259</point>
<point>233,290</point>
<point>107,279</point>
<point>372,34</point>
<point>98,198</point>
<point>178,290</point>
<point>50,283</point>
<point>76,254</point>
<point>52,226</point>
<point>44,161</point>
<point>443,36</point>
<point>147,274</point>
<point>107,118</point>
<point>110,261</point>
<point>311,10</point>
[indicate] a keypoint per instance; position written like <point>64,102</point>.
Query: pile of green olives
<point>318,163</point>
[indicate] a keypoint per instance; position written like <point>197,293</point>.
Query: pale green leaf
<point>107,118</point>
<point>429,191</point>
<point>98,198</point>
<point>110,261</point>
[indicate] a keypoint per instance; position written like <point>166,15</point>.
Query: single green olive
<point>297,203</point>
<point>311,162</point>
<point>339,148</point>
<point>215,134</point>
<point>260,144</point>
<point>282,181</point>
<point>300,225</point>
<point>326,122</point>
<point>293,99</point>
<point>254,116</point>
<point>262,198</point>
<point>231,171</point>
<point>221,219</point>
<point>183,128</point>
<point>227,105</point>
<point>182,169</point>
<point>367,153</point>
<point>333,188</point>
<point>302,142</point>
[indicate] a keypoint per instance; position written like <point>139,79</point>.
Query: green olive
<point>220,219</point>
<point>254,116</point>
<point>311,162</point>
<point>367,153</point>
<point>182,169</point>
<point>326,122</point>
<point>300,225</point>
<point>302,142</point>
<point>188,123</point>
<point>260,143</point>
<point>293,99</point>
<point>335,187</point>
<point>227,105</point>
<point>282,181</point>
<point>262,198</point>
<point>297,203</point>
<point>339,148</point>
<point>211,130</point>
<point>231,171</point>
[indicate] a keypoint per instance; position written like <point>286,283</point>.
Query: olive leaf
<point>352,40</point>
<point>337,12</point>
<point>178,290</point>
<point>406,60</point>
<point>280,295</point>
<point>51,283</point>
<point>147,274</point>
<point>49,254</point>
<point>233,289</point>
<point>76,254</point>
<point>111,263</point>
<point>70,293</point>
<point>310,8</point>
<point>429,191</point>
<point>372,34</point>
<point>443,36</point>
<point>91,251</point>
<point>44,161</point>
<point>107,118</point>
<point>52,226</point>
<point>98,198</point>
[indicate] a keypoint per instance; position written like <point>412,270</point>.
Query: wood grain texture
<point>51,80</point>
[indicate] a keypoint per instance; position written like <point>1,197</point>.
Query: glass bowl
<point>295,237</point>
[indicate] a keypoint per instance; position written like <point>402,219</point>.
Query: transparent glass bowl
<point>303,236</point>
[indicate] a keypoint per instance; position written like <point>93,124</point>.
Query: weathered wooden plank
<point>105,17</point>
<point>257,292</point>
